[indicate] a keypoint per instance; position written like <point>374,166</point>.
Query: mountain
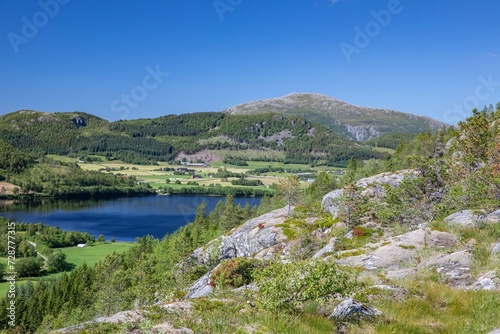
<point>146,141</point>
<point>350,121</point>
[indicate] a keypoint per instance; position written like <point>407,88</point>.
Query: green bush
<point>286,285</point>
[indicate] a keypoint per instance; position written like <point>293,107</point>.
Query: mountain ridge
<point>164,138</point>
<point>348,120</point>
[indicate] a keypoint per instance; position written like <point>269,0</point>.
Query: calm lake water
<point>123,219</point>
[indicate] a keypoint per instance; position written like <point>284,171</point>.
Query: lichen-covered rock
<point>454,267</point>
<point>464,218</point>
<point>247,240</point>
<point>330,202</point>
<point>437,239</point>
<point>352,310</point>
<point>255,238</point>
<point>493,217</point>
<point>484,283</point>
<point>200,288</point>
<point>496,249</point>
<point>398,256</point>
<point>373,185</point>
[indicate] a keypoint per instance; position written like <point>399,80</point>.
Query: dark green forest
<point>145,141</point>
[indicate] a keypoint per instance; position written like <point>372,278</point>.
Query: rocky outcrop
<point>362,132</point>
<point>79,121</point>
<point>373,187</point>
<point>247,240</point>
<point>398,256</point>
<point>259,238</point>
<point>134,317</point>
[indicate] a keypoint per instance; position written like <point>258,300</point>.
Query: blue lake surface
<point>123,219</point>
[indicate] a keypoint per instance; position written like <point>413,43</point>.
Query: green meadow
<point>77,256</point>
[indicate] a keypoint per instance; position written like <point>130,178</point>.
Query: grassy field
<point>94,253</point>
<point>78,256</point>
<point>385,149</point>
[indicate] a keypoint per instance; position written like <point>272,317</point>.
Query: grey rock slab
<point>496,248</point>
<point>330,202</point>
<point>493,217</point>
<point>329,248</point>
<point>200,288</point>
<point>464,218</point>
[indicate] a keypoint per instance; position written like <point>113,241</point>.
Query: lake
<point>123,219</point>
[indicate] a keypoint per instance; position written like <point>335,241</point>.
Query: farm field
<point>157,178</point>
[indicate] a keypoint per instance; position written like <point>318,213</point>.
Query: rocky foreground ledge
<point>384,263</point>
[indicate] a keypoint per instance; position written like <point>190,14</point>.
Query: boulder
<point>464,218</point>
<point>330,202</point>
<point>352,310</point>
<point>496,248</point>
<point>454,267</point>
<point>493,217</point>
<point>488,281</point>
<point>484,283</point>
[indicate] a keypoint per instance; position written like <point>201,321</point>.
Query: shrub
<point>287,285</point>
<point>360,231</point>
<point>233,273</point>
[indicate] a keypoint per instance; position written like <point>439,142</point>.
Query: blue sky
<point>137,59</point>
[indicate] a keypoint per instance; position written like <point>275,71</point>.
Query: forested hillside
<point>35,175</point>
<point>146,141</point>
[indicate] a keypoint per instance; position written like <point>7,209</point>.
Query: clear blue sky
<point>424,58</point>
